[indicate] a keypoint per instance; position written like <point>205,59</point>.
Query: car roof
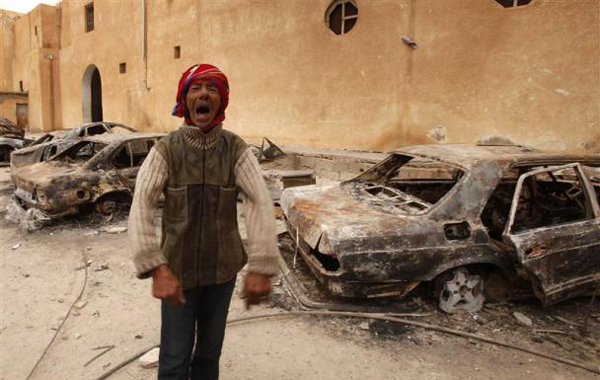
<point>108,138</point>
<point>468,155</point>
<point>107,123</point>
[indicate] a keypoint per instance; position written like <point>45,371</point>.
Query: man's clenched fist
<point>166,286</point>
<point>256,288</point>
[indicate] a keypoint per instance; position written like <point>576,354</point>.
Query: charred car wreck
<point>98,170</point>
<point>12,137</point>
<point>452,215</point>
<point>51,143</point>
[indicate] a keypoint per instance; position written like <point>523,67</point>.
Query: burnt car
<point>98,170</point>
<point>7,146</point>
<point>458,217</point>
<point>12,137</point>
<point>53,142</point>
<point>33,154</point>
<point>84,130</point>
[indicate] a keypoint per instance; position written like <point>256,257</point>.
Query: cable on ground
<point>65,317</point>
<point>381,317</point>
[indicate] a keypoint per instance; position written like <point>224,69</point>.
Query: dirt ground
<point>43,273</point>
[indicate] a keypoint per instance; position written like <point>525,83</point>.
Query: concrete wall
<point>481,72</point>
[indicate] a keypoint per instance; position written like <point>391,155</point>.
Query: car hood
<point>40,174</point>
<point>328,215</point>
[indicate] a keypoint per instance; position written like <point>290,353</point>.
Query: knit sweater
<point>261,244</point>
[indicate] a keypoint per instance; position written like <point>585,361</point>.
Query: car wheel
<point>106,206</point>
<point>463,291</point>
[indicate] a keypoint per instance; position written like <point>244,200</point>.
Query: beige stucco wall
<point>530,74</point>
<point>116,38</point>
<point>35,54</point>
<point>481,72</point>
<point>8,105</point>
<point>7,49</point>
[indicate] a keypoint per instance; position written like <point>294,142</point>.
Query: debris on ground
<point>102,267</point>
<point>87,264</point>
<point>523,319</point>
<point>103,350</point>
<point>267,151</point>
<point>150,358</point>
<point>115,230</point>
<point>30,220</point>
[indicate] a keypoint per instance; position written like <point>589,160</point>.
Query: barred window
<point>341,16</point>
<point>513,3</point>
<point>89,17</point>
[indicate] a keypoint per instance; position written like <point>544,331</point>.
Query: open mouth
<point>202,110</point>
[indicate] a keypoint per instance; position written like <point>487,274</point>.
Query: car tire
<point>109,204</point>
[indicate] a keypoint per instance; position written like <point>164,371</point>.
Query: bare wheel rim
<point>463,291</point>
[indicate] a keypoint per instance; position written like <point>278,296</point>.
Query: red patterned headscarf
<point>197,73</point>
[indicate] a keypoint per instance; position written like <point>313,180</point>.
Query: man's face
<point>203,103</point>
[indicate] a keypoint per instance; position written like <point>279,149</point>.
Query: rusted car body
<point>98,170</point>
<point>84,130</point>
<point>8,145</point>
<point>53,142</point>
<point>428,210</point>
<point>37,153</point>
<point>12,137</point>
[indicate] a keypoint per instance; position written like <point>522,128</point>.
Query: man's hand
<point>256,288</point>
<point>166,286</point>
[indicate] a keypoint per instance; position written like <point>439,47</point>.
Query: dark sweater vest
<point>200,237</point>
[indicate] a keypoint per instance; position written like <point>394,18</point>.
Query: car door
<point>124,172</point>
<point>129,159</point>
<point>554,227</point>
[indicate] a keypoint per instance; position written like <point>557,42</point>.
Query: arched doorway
<point>91,94</point>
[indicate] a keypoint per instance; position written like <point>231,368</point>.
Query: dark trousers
<point>201,319</point>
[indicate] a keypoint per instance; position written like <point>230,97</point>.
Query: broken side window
<point>550,197</point>
<point>122,159</point>
<point>593,173</point>
<point>495,213</point>
<point>49,151</point>
<point>132,154</point>
<point>96,130</point>
<point>80,152</point>
<point>139,151</point>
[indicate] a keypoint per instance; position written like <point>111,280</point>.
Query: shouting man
<point>200,168</point>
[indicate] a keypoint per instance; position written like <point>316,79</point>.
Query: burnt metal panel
<point>565,258</point>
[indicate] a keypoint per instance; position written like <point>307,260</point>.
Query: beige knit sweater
<point>261,244</point>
